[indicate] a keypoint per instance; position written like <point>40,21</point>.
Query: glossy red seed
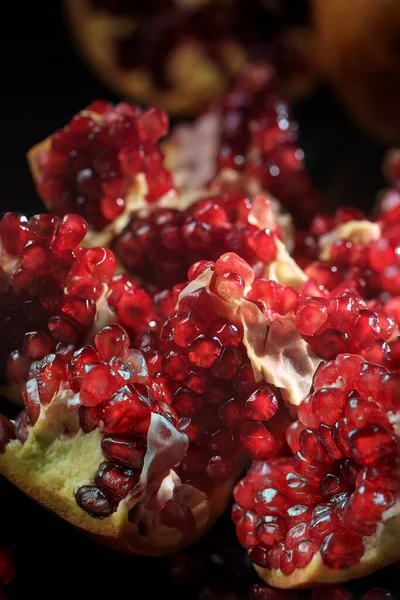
<point>245,530</point>
<point>261,405</point>
<point>328,405</point>
<point>94,501</point>
<point>257,441</point>
<point>98,384</point>
<point>37,345</point>
<point>304,551</point>
<point>228,286</point>
<point>370,443</point>
<point>271,529</point>
<point>127,451</point>
<point>100,263</point>
<point>70,234</point>
<point>232,263</point>
<point>51,371</point>
<point>111,341</point>
<point>204,351</point>
<point>179,516</point>
<point>115,480</point>
<point>127,411</point>
<point>342,550</point>
<point>270,501</point>
<point>311,316</point>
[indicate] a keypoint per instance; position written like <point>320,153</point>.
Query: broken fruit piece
<point>177,55</point>
<point>105,164</point>
<point>142,450</point>
<point>329,512</point>
<point>55,293</point>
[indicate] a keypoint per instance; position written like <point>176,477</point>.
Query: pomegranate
<point>328,512</point>
<point>104,165</point>
<point>177,54</point>
<point>55,293</point>
<point>164,435</point>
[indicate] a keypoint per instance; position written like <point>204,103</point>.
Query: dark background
<point>43,83</point>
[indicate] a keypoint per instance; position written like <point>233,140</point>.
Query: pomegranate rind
<point>318,574</point>
<point>50,470</point>
<point>94,34</point>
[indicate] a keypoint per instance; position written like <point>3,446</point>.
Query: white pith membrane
<point>96,31</point>
<point>380,548</point>
<point>58,458</point>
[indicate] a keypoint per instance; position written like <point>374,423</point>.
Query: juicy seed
<point>94,502</point>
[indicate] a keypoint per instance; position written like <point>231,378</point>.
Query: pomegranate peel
<point>329,512</point>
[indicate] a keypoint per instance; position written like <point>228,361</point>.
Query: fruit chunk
<point>56,293</point>
<point>178,55</point>
<point>329,512</point>
<point>103,165</point>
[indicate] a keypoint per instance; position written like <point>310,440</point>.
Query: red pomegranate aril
<point>342,550</point>
<point>92,500</point>
<point>331,485</point>
<point>81,310</point>
<point>98,384</point>
<point>51,371</point>
<point>328,405</point>
<point>257,441</point>
<point>185,330</point>
<point>287,565</point>
<point>37,345</point>
<point>306,413</point>
<point>310,447</point>
<point>204,351</point>
<point>89,417</point>
<point>198,268</point>
<point>304,551</point>
<point>302,490</point>
<point>292,435</point>
<point>14,232</point>
<point>128,451</point>
<point>232,263</point>
<point>370,443</point>
<point>327,443</point>
<point>115,481</point>
<point>71,232</point>
<point>271,529</point>
<point>259,556</point>
<point>178,515</point>
<point>229,286</point>
<point>127,411</point>
<point>296,533</point>
<point>330,343</point>
<point>261,405</point>
<point>111,341</point>
<point>100,263</point>
<point>246,530</point>
<point>270,501</point>
<point>298,513</point>
<point>323,522</point>
<point>274,555</point>
<point>311,317</point>
<point>366,329</point>
<point>244,493</point>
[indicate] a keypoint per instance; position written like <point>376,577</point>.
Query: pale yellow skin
<point>50,471</point>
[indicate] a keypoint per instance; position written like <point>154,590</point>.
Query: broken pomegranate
<point>55,293</point>
<point>328,512</point>
<point>177,54</point>
<point>103,165</point>
<point>165,434</point>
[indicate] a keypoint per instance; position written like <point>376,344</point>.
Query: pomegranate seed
<point>100,263</point>
<point>342,550</point>
<point>124,450</point>
<point>257,441</point>
<point>204,351</point>
<point>369,443</point>
<point>93,501</point>
<point>115,481</point>
<point>271,501</point>
<point>261,405</point>
<point>111,341</point>
<point>178,515</point>
<point>304,551</point>
<point>126,411</point>
<point>98,384</point>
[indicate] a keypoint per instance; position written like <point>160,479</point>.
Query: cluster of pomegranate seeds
<point>113,389</point>
<point>161,247</point>
<point>344,324</point>
<point>259,137</point>
<point>89,167</point>
<point>52,290</point>
<point>200,357</point>
<point>342,477</point>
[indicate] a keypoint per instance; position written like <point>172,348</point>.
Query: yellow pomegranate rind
<point>50,472</point>
<point>318,574</point>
